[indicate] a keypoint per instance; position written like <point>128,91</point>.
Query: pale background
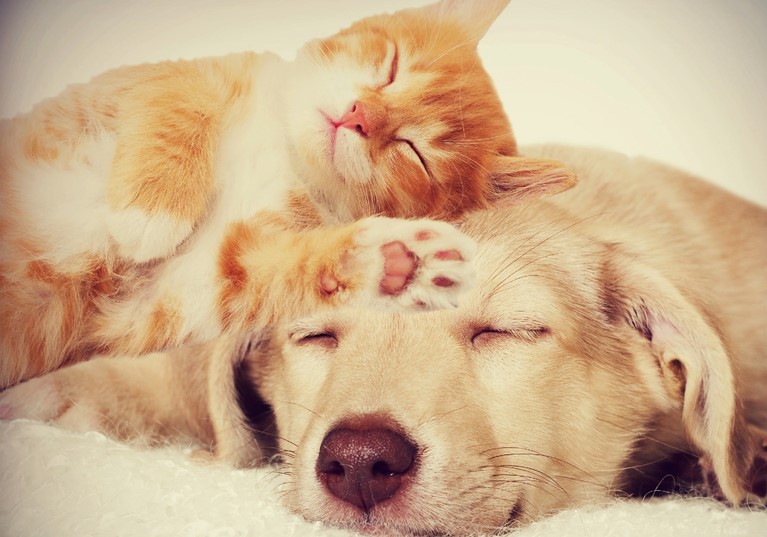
<point>683,81</point>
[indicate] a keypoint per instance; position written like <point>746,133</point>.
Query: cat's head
<point>396,115</point>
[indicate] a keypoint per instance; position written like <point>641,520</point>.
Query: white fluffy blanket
<point>57,483</point>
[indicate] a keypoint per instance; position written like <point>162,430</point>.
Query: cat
<point>170,203</point>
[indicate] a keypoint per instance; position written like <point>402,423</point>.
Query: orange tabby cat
<point>170,203</point>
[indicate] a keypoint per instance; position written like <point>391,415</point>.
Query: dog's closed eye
<point>490,335</point>
<point>326,340</point>
<point>314,335</point>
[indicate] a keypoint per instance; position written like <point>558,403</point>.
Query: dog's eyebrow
<point>488,313</point>
<point>306,322</point>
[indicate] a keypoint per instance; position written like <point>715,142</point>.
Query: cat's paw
<point>413,264</point>
<point>142,237</point>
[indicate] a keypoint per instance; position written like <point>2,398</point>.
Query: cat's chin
<point>344,149</point>
<point>312,162</point>
<point>331,131</point>
<point>331,161</point>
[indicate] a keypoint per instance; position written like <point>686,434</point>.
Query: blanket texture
<point>59,484</point>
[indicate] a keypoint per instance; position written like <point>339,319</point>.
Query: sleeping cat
<point>170,203</point>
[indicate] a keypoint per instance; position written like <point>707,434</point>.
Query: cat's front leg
<point>270,272</point>
<point>411,264</point>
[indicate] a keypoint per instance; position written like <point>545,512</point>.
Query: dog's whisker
<point>538,476</point>
<point>294,403</point>
<point>511,451</point>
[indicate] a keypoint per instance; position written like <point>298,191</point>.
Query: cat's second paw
<point>413,264</point>
<point>142,237</point>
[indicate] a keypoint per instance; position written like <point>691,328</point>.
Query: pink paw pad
<point>442,281</point>
<point>446,255</point>
<point>449,255</point>
<point>399,267</point>
<point>425,235</point>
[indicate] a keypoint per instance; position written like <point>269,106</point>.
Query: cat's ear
<point>519,178</point>
<point>475,16</point>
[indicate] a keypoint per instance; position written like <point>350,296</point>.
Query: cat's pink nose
<point>355,119</point>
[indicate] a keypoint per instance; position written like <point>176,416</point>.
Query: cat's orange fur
<point>128,219</point>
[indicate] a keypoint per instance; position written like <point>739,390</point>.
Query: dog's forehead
<point>541,280</point>
<point>535,274</point>
<point>537,250</point>
<point>517,286</point>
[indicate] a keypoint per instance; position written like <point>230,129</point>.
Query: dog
<point>615,336</point>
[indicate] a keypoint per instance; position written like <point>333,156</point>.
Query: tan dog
<point>617,331</point>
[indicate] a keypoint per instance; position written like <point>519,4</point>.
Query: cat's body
<point>163,204</point>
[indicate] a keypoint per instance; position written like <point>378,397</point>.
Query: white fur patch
<point>142,237</point>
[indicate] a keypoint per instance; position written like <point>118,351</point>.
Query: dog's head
<point>533,396</point>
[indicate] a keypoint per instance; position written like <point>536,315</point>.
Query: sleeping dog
<point>616,335</point>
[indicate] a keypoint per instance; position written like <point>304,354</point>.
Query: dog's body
<point>615,328</point>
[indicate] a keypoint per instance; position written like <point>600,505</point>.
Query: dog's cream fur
<point>615,328</point>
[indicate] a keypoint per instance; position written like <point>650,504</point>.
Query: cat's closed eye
<point>414,150</point>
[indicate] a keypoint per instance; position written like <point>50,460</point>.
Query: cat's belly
<point>253,174</point>
<point>185,290</point>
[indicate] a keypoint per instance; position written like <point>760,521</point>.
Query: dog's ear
<point>241,419</point>
<point>520,178</point>
<point>695,370</point>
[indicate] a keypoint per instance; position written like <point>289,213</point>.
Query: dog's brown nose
<point>364,467</point>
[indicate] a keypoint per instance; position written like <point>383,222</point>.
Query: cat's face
<point>396,115</point>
